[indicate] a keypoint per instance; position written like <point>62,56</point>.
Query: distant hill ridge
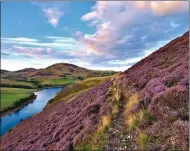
<point>54,71</point>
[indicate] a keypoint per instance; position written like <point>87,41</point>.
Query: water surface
<point>43,96</point>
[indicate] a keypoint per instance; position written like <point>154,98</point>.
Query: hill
<point>27,70</point>
<point>144,108</point>
<point>56,71</point>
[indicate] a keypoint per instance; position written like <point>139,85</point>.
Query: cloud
<point>78,34</point>
<point>32,52</point>
<point>58,43</point>
<point>5,54</point>
<point>168,7</point>
<point>90,16</point>
<point>51,47</point>
<point>124,62</point>
<point>52,11</point>
<point>53,15</point>
<point>127,30</point>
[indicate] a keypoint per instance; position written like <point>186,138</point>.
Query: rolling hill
<point>56,71</point>
<point>143,108</point>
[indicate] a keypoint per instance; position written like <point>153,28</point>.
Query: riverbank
<point>28,111</point>
<point>21,104</point>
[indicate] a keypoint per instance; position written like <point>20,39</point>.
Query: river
<point>43,96</point>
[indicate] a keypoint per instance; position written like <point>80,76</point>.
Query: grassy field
<point>51,82</point>
<point>11,95</point>
<point>77,88</point>
<point>56,81</point>
<point>14,83</point>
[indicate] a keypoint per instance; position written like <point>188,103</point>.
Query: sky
<point>97,35</point>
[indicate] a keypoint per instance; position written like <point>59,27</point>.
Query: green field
<point>57,81</point>
<point>11,95</point>
<point>16,83</point>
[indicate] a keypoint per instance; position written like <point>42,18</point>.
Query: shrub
<point>173,97</point>
<point>146,117</point>
<point>17,103</point>
<point>143,140</point>
<point>158,89</point>
<point>80,78</point>
<point>10,130</point>
<point>169,80</point>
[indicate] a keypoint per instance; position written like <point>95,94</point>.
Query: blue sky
<point>96,35</point>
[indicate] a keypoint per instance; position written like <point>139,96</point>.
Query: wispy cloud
<point>51,47</point>
<point>52,11</point>
<point>32,52</point>
<point>53,15</point>
<point>58,43</point>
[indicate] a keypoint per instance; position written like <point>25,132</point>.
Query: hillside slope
<point>149,101</point>
<point>155,92</point>
<point>56,71</point>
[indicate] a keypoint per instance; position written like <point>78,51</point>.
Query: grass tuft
<point>96,140</point>
<point>133,100</point>
<point>105,122</point>
<point>132,121</point>
<point>143,140</point>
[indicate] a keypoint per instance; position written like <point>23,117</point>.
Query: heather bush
<point>158,89</point>
<point>180,134</point>
<point>169,80</point>
<point>184,81</point>
<point>153,83</point>
<point>173,97</point>
<point>155,109</point>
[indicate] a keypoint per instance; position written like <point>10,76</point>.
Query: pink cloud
<point>90,16</point>
<point>49,50</point>
<point>161,8</point>
<point>33,52</point>
<point>168,7</point>
<point>78,34</point>
<point>21,49</point>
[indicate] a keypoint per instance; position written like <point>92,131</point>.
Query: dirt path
<point>118,138</point>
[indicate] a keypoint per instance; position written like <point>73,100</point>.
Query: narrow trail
<point>118,138</point>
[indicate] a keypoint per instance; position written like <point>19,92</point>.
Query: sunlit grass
<point>16,82</point>
<point>132,121</point>
<point>96,140</point>
<point>105,122</point>
<point>11,95</point>
<point>143,140</point>
<point>80,86</point>
<point>131,102</point>
<point>56,81</point>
